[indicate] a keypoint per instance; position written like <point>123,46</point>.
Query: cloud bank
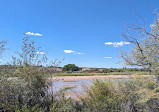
<point>117,44</point>
<point>34,34</point>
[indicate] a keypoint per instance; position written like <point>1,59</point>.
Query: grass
<point>99,74</point>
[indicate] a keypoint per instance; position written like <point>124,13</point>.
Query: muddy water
<point>78,87</point>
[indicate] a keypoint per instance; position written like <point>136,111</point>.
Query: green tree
<point>71,67</point>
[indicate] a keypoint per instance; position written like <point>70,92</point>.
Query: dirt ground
<point>77,78</point>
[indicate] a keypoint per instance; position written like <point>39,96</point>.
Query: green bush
<point>135,95</point>
<point>25,88</point>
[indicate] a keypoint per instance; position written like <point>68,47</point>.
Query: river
<point>77,86</point>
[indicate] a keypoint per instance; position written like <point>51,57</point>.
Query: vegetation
<point>2,47</point>
<point>71,68</point>
<point>25,87</point>
<point>136,95</point>
<point>109,70</point>
<point>99,74</point>
<point>145,52</point>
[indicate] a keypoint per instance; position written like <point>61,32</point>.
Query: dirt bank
<point>77,78</point>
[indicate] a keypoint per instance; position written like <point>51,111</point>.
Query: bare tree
<point>30,54</point>
<point>2,47</point>
<point>145,40</point>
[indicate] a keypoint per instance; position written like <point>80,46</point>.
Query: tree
<point>2,45</point>
<point>30,55</point>
<point>145,41</point>
<point>71,67</point>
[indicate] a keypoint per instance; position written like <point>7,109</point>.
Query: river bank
<point>78,78</point>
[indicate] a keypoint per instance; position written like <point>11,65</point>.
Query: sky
<point>83,32</point>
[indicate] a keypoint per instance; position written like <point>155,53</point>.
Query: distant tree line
<point>74,68</point>
<point>109,70</point>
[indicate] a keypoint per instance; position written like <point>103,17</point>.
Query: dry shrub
<point>135,95</point>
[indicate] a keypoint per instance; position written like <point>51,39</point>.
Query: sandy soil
<point>77,78</point>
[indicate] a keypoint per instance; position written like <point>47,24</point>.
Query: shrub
<point>135,95</point>
<point>25,88</point>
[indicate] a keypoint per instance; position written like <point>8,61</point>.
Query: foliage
<point>25,86</point>
<point>145,51</point>
<point>136,95</point>
<point>2,47</point>
<point>99,74</point>
<point>112,70</point>
<point>71,67</point>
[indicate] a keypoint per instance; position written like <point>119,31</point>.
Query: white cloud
<point>78,53</point>
<point>109,43</point>
<point>69,51</point>
<point>117,44</point>
<point>40,52</point>
<point>107,57</point>
<point>35,34</point>
<point>38,34</point>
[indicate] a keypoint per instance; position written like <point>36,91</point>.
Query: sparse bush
<point>25,88</point>
<point>2,47</point>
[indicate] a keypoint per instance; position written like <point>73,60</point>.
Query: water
<point>77,86</point>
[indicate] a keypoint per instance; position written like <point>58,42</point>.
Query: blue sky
<point>80,26</point>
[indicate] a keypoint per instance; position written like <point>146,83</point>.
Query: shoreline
<point>78,78</point>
